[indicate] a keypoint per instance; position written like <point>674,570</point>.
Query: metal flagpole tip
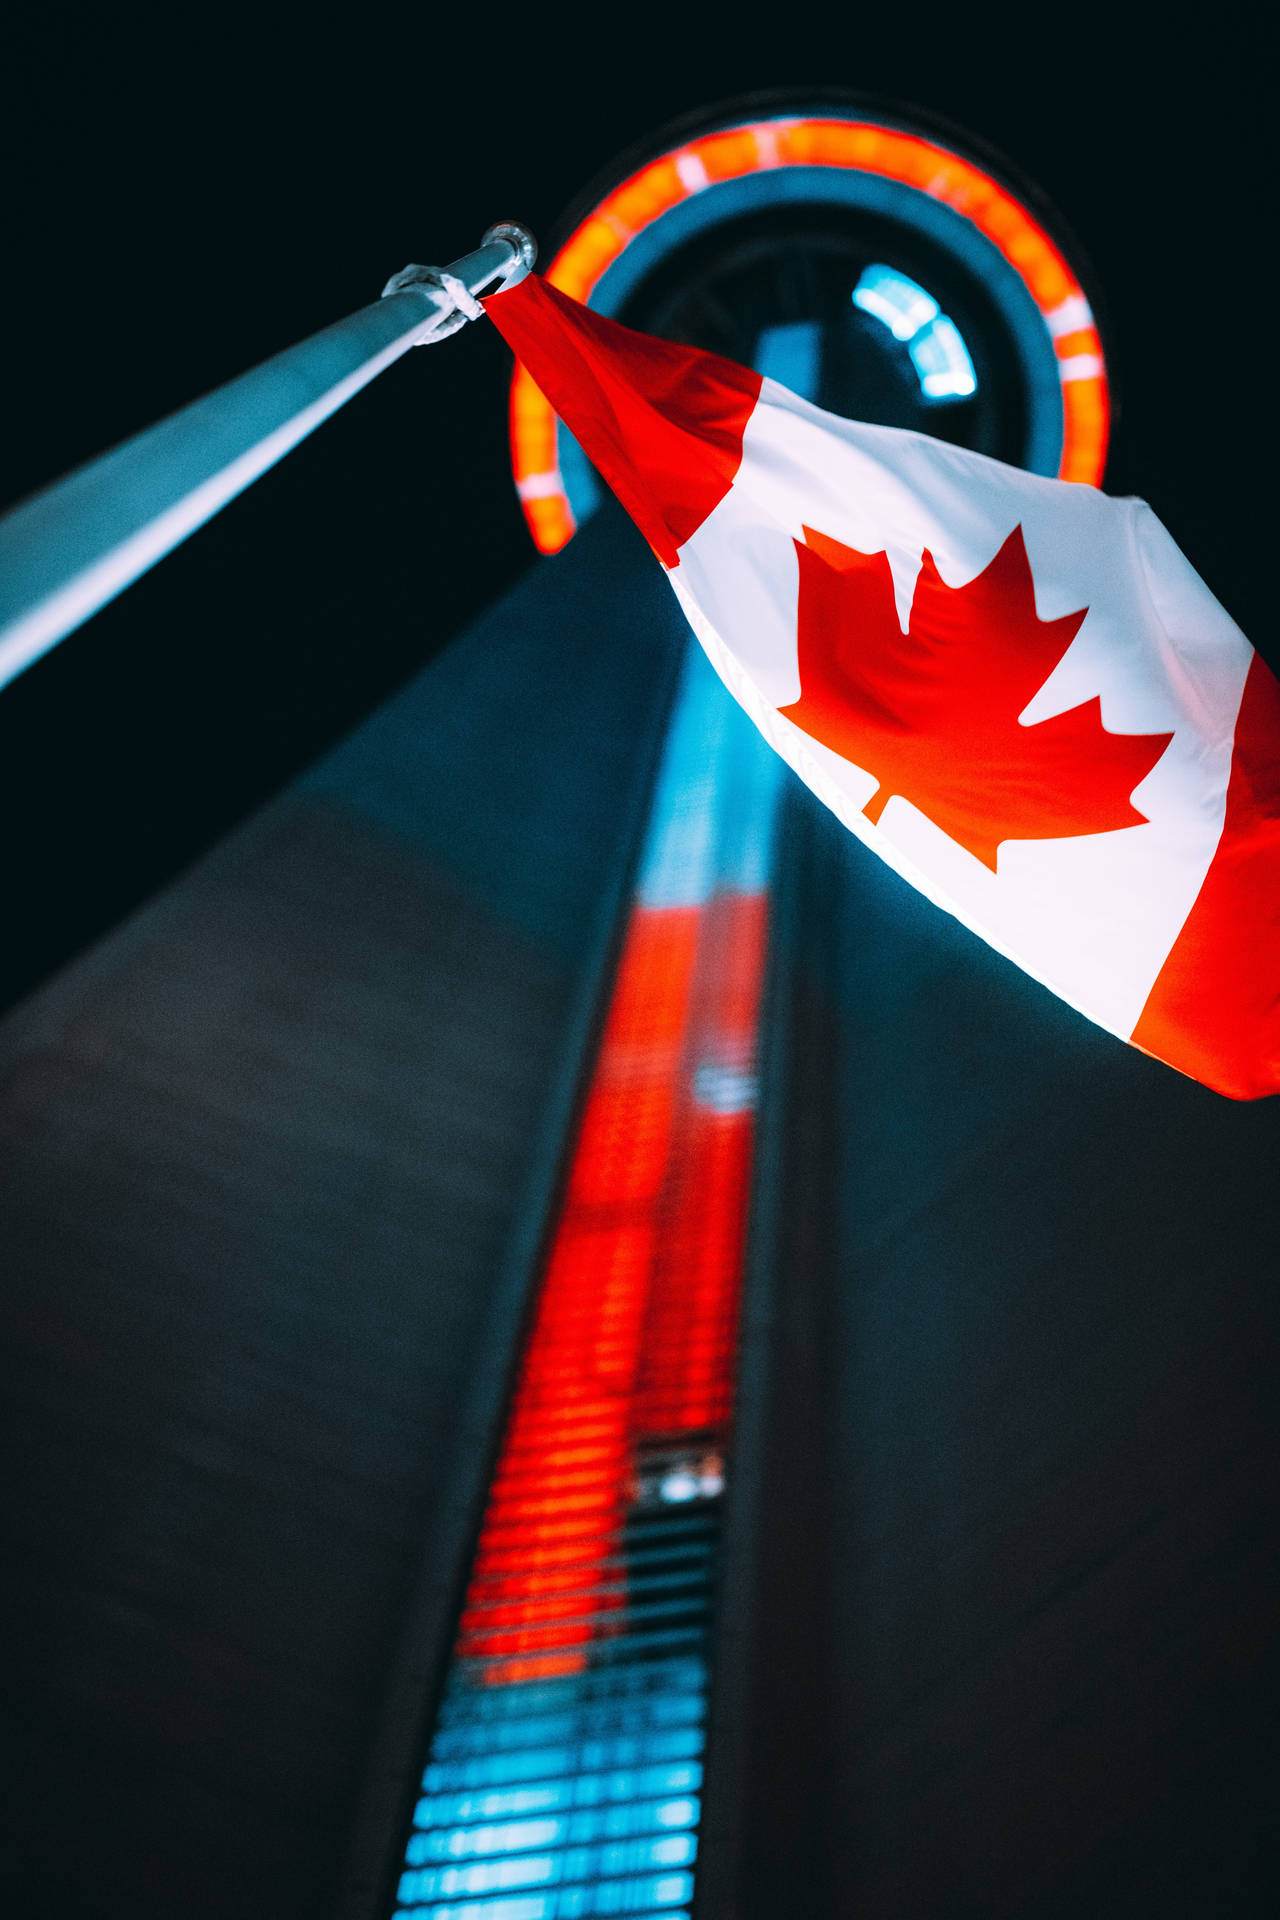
<point>504,256</point>
<point>522,240</point>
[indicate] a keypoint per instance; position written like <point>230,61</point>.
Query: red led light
<point>633,1334</point>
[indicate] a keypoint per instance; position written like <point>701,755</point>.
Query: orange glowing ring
<point>855,145</point>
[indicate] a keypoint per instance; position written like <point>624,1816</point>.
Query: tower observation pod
<point>585,1737</point>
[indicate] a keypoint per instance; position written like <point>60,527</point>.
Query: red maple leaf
<point>933,712</point>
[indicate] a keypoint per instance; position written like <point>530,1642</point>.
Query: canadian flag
<point>1016,690</point>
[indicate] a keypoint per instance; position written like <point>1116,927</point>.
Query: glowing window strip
<point>855,145</point>
<point>938,353</point>
<point>565,1769</point>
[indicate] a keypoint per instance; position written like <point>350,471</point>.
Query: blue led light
<point>712,818</point>
<point>942,361</point>
<point>938,354</point>
<point>898,303</point>
<point>791,355</point>
<point>590,1790</point>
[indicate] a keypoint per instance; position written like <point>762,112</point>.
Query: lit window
<point>725,1089</point>
<point>898,303</point>
<point>938,353</point>
<point>942,360</point>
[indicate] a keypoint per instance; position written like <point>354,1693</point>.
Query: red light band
<point>853,145</point>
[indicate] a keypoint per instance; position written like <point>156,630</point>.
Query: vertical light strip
<point>564,1773</point>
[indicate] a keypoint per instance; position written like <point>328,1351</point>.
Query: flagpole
<point>71,548</point>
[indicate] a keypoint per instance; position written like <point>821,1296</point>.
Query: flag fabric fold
<point>1016,690</point>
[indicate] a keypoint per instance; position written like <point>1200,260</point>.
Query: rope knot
<point>453,300</point>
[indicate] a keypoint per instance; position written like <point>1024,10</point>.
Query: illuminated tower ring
<point>777,175</point>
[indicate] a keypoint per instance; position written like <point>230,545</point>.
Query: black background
<point>188,190</point>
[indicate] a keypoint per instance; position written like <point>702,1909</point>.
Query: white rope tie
<point>460,293</point>
<point>451,298</point>
<point>454,301</point>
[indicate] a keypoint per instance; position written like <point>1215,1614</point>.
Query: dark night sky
<point>189,191</point>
